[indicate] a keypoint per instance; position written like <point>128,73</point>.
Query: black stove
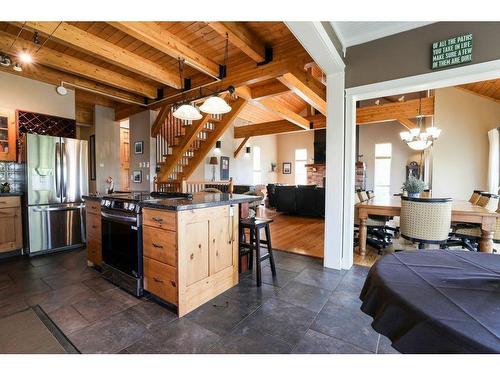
<point>121,221</point>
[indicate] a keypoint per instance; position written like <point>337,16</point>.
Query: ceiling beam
<point>407,123</point>
<point>241,73</point>
<point>268,89</point>
<point>240,147</point>
<point>55,77</point>
<point>285,113</point>
<point>66,63</point>
<point>154,35</point>
<point>306,87</point>
<point>277,127</point>
<point>107,51</point>
<point>395,111</point>
<point>240,36</point>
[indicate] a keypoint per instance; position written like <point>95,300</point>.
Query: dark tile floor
<point>305,309</point>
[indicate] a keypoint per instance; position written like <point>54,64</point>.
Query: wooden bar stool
<point>255,225</point>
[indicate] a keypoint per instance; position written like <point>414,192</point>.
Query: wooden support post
<point>240,147</point>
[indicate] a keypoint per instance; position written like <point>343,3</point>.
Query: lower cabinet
<point>11,229</point>
<point>93,230</point>
<point>195,259</point>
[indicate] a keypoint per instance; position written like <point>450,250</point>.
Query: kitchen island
<point>189,246</point>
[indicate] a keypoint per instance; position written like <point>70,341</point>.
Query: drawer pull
<point>94,227</point>
<point>156,245</point>
<point>173,283</point>
<point>157,219</point>
<point>3,202</point>
<point>192,256</point>
<point>93,207</point>
<point>158,280</point>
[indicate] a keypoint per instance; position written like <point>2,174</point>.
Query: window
<point>383,153</point>
<point>257,172</point>
<point>300,166</point>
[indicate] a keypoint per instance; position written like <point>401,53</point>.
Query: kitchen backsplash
<point>13,173</point>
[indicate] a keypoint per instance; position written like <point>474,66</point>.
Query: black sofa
<point>303,200</point>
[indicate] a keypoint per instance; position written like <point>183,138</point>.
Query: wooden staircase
<point>181,146</point>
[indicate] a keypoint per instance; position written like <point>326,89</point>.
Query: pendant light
<point>419,138</point>
<point>186,111</point>
<point>215,105</point>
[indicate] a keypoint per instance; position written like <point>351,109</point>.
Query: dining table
<point>461,212</point>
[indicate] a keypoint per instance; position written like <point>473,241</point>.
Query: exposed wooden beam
<point>277,127</point>
<point>240,36</point>
<point>110,52</point>
<point>154,35</point>
<point>91,98</point>
<point>55,77</point>
<point>247,73</point>
<point>123,111</point>
<point>268,89</point>
<point>284,112</point>
<point>66,63</point>
<point>307,87</point>
<point>240,147</point>
<point>394,111</point>
<point>220,128</point>
<point>478,94</point>
<point>407,123</point>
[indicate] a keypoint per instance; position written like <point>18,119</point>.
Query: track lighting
<point>61,90</point>
<point>5,61</point>
<point>17,67</point>
<point>25,57</point>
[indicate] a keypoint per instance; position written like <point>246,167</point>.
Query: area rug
<point>31,331</point>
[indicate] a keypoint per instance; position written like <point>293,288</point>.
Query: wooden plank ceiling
<point>486,89</point>
<point>133,64</point>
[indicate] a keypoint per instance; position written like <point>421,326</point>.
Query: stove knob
<point>131,207</point>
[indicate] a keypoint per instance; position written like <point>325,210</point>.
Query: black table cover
<point>436,301</point>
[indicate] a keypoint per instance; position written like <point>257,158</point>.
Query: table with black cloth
<point>436,301</point>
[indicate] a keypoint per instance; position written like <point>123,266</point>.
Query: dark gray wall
<point>409,53</point>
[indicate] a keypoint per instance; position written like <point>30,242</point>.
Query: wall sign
<point>452,51</point>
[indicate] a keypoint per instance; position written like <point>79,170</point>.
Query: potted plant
<point>414,186</point>
<point>273,166</point>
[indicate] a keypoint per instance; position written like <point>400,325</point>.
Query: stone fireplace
<point>315,174</point>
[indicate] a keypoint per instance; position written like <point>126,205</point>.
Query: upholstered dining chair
<point>488,201</point>
<point>362,195</point>
<point>471,235</point>
<point>425,220</point>
<point>370,194</point>
<point>427,193</point>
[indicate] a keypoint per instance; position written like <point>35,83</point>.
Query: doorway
<point>124,156</point>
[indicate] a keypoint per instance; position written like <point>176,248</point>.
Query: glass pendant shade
<point>215,106</point>
<point>187,112</point>
<point>419,145</point>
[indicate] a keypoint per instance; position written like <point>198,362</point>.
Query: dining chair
<point>362,195</point>
<point>425,220</point>
<point>488,201</point>
<point>370,194</point>
<point>427,193</point>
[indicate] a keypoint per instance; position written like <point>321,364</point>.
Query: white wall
<point>241,168</point>
<point>34,96</point>
<point>140,130</point>
<point>461,152</point>
<point>386,132</point>
<point>107,145</point>
<point>287,144</point>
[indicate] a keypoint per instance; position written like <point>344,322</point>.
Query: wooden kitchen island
<point>190,247</point>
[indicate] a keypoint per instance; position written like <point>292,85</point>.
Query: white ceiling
<point>352,33</point>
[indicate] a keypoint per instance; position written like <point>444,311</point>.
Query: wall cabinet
<point>93,229</point>
<point>7,136</point>
<point>190,256</point>
<point>11,229</point>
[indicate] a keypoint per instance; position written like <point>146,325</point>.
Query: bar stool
<point>255,225</point>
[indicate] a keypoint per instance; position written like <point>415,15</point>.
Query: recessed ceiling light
<point>25,57</point>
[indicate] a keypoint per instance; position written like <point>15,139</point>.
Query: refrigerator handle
<point>58,169</point>
<point>63,170</point>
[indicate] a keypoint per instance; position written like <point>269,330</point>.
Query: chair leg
<point>270,250</point>
<point>257,257</point>
<point>421,246</point>
<point>250,254</point>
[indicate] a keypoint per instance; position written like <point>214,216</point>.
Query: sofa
<point>302,200</point>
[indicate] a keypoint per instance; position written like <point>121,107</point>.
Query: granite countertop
<point>200,200</point>
<point>12,194</point>
<point>92,197</point>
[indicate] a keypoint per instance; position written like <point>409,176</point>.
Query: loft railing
<point>193,186</point>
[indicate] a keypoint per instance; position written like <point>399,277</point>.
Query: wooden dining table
<point>461,212</point>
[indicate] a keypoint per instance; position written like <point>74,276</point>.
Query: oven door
<point>121,242</point>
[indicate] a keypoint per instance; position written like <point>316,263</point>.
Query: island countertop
<point>199,200</point>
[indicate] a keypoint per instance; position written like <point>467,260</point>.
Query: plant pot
<point>414,195</point>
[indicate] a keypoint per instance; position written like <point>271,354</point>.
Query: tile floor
<point>306,309</point>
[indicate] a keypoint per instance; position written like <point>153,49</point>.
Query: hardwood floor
<point>305,236</point>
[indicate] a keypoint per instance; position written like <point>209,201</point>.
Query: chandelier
<point>420,138</point>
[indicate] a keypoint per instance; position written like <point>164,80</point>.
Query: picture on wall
<point>224,168</point>
<point>137,176</point>
<point>139,147</point>
<point>287,168</point>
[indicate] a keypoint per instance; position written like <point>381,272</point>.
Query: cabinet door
<point>10,229</point>
<point>196,252</point>
<point>93,226</point>
<point>7,135</point>
<point>221,244</point>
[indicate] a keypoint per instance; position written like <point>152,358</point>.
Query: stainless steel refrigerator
<point>56,179</point>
